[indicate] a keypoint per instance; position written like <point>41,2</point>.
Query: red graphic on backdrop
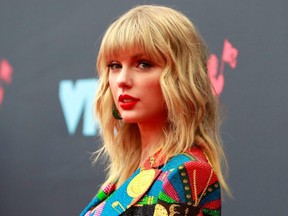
<point>6,72</point>
<point>216,74</point>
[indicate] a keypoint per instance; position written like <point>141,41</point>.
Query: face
<point>134,83</point>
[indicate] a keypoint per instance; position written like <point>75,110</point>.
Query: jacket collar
<point>131,191</point>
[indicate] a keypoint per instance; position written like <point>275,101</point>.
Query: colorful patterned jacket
<point>185,185</point>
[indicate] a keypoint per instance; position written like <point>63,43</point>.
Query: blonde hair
<point>167,37</point>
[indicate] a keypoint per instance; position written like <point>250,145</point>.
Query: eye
<point>144,64</point>
<point>114,66</point>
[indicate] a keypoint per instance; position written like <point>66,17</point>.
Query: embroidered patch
<point>140,183</point>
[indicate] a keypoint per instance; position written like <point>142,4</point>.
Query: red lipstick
<point>127,102</point>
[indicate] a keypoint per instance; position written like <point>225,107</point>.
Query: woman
<point>161,136</point>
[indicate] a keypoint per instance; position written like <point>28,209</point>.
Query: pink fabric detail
<point>170,191</point>
<point>88,213</point>
<point>97,210</point>
<point>109,188</point>
<point>163,176</point>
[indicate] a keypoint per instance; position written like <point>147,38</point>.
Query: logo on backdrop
<point>76,97</point>
<point>216,73</point>
<point>6,72</point>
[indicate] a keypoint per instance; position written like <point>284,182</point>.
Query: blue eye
<point>114,66</point>
<point>144,64</point>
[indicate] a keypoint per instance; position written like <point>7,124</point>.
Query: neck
<point>152,138</point>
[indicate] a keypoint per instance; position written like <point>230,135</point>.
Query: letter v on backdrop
<point>76,99</point>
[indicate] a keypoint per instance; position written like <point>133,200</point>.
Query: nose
<point>124,78</point>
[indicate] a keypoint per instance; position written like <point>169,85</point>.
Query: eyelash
<point>145,65</point>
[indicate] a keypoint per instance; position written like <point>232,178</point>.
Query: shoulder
<point>189,178</point>
<point>193,160</point>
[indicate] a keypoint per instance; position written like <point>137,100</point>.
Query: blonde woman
<point>158,117</point>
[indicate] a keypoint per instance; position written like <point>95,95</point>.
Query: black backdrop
<point>48,78</point>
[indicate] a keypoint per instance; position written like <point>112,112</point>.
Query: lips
<point>127,102</point>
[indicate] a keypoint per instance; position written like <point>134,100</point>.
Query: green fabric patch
<point>166,198</point>
<point>148,200</point>
<point>210,212</point>
<point>101,195</point>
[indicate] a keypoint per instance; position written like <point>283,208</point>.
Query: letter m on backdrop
<point>77,100</point>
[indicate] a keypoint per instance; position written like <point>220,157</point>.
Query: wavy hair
<point>168,37</point>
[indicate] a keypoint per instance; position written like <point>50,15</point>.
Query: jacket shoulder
<point>189,178</point>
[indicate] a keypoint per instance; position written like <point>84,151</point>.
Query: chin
<point>128,119</point>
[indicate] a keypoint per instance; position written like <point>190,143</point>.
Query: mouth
<point>127,102</point>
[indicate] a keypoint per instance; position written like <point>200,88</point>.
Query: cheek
<point>151,82</point>
<point>154,88</point>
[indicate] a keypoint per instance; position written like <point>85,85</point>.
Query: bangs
<point>130,34</point>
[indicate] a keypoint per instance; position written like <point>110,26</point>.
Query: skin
<point>134,74</point>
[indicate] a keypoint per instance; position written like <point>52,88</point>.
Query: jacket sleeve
<point>190,189</point>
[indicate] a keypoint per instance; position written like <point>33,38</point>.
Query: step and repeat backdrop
<point>48,79</point>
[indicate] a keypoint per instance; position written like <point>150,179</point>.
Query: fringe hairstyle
<point>166,36</point>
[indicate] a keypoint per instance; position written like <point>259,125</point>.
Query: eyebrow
<point>139,55</point>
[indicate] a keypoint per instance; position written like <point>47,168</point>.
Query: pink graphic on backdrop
<point>6,72</point>
<point>1,94</point>
<point>216,75</point>
<point>229,54</point>
<point>216,79</point>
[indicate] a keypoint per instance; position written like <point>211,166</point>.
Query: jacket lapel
<point>130,192</point>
